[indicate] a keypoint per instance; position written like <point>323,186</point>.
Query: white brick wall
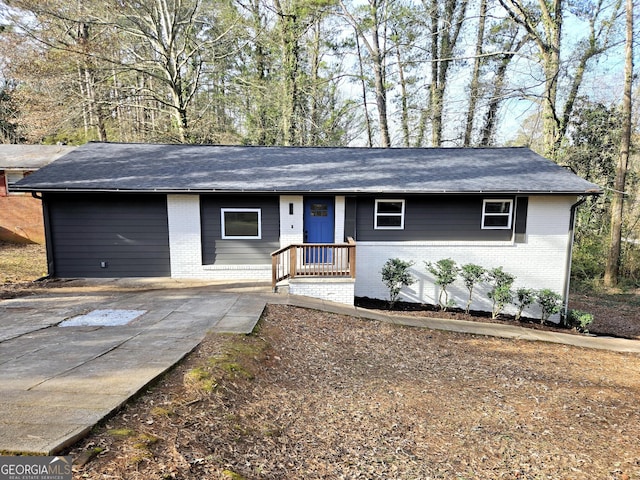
<point>340,290</point>
<point>339,219</point>
<point>291,226</point>
<point>183,212</point>
<point>538,263</point>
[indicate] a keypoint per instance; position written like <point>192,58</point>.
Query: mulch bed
<point>418,310</point>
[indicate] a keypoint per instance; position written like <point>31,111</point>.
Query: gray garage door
<point>108,235</point>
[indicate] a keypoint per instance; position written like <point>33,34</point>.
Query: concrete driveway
<point>57,382</point>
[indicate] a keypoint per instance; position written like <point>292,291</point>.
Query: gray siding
<point>128,232</point>
<point>520,226</point>
<point>216,251</point>
<point>456,218</point>
<point>350,218</point>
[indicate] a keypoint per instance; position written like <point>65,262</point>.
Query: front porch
<point>320,270</point>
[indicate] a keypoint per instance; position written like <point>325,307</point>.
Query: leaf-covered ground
<point>316,395</point>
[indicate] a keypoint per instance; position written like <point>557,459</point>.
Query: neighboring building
<point>218,212</point>
<point>20,214</point>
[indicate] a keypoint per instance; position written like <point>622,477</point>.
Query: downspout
<point>48,242</point>
<point>567,278</point>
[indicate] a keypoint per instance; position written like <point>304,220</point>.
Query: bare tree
<point>544,27</point>
<point>363,85</point>
<point>171,31</point>
<point>372,30</point>
<point>508,41</point>
<point>474,86</point>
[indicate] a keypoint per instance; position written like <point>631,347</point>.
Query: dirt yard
<point>316,395</point>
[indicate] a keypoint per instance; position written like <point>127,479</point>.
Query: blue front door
<point>319,221</point>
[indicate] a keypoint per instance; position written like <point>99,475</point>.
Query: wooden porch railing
<point>314,260</point>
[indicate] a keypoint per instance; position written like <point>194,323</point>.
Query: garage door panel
<point>109,235</point>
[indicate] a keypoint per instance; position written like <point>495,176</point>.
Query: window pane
<point>497,207</point>
<point>389,221</point>
<point>241,224</point>
<point>389,207</point>
<point>496,221</point>
<point>319,209</point>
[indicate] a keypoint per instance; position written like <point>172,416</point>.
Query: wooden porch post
<point>352,257</point>
<point>293,260</point>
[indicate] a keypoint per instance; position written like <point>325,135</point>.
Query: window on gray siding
<point>497,214</point>
<point>389,215</point>
<point>241,223</point>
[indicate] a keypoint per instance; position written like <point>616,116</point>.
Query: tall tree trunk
<point>404,114</point>
<point>363,84</point>
<point>475,76</point>
<point>488,130</point>
<point>617,204</point>
<point>434,100</point>
<point>548,42</point>
<point>379,80</point>
<point>378,59</point>
<point>264,134</point>
<point>290,62</point>
<point>445,31</point>
<point>117,106</point>
<point>314,127</point>
<point>177,107</point>
<point>552,21</point>
<point>487,133</point>
<point>85,108</point>
<point>95,109</point>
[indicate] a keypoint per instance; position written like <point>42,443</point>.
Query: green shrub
<point>471,275</point>
<point>550,302</point>
<point>395,275</point>
<point>446,272</point>
<point>579,320</point>
<point>500,293</point>
<point>524,298</point>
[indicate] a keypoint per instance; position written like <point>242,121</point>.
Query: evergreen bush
<point>445,271</point>
<point>395,275</point>
<point>500,293</point>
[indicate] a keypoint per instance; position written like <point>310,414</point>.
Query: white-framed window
<point>241,223</point>
<point>389,215</point>
<point>497,214</point>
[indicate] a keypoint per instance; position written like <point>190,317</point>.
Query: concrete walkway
<point>56,382</point>
<point>473,328</point>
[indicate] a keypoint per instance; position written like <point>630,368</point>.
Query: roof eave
<point>27,189</point>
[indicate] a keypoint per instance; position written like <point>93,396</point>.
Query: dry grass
<point>20,263</point>
<point>316,395</point>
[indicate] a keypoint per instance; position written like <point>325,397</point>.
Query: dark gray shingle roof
<point>30,157</point>
<point>181,168</point>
